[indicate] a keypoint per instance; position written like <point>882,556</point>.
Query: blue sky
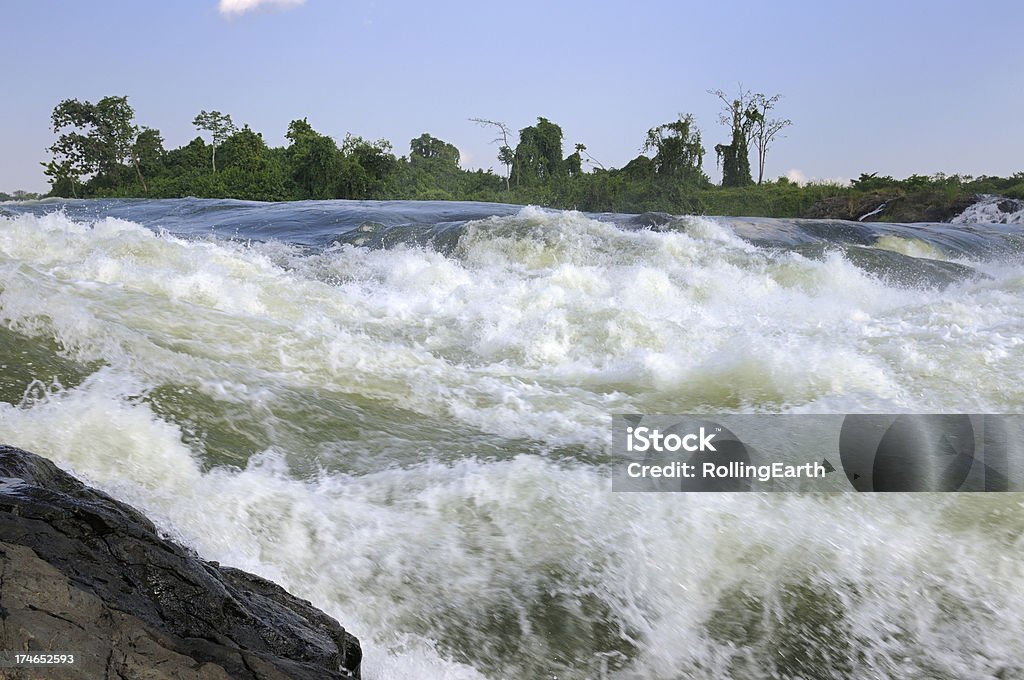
<point>894,87</point>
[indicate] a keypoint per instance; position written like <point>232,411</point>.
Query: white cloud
<point>796,177</point>
<point>233,8</point>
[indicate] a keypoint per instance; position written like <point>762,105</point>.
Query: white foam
<point>536,328</point>
<point>417,561</point>
<point>989,209</point>
<point>502,336</point>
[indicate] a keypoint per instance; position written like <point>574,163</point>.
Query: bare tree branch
<point>505,149</point>
<point>765,129</point>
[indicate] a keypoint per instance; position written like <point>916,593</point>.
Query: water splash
<point>413,436</point>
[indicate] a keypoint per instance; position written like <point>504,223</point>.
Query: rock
<point>849,207</point>
<point>911,207</point>
<point>1009,205</point>
<point>896,269</point>
<point>650,219</point>
<point>945,211</point>
<point>81,572</point>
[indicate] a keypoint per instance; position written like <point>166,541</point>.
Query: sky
<point>891,87</point>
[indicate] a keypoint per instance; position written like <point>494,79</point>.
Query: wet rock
<point>1009,205</point>
<point>894,268</point>
<point>649,219</point>
<point>81,572</point>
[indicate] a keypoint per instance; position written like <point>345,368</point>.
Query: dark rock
<point>912,207</point>
<point>650,219</point>
<point>849,207</point>
<point>1009,205</point>
<point>944,212</point>
<point>82,572</point>
<point>838,231</point>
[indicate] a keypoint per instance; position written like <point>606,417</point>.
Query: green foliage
<point>872,182</point>
<point>735,160</point>
<point>94,140</point>
<point>426,148</point>
<point>538,156</point>
<point>770,199</point>
<point>678,151</point>
<point>64,176</point>
<point>314,162</point>
<point>742,117</point>
<point>574,161</point>
<point>432,172</point>
<point>507,157</point>
<point>369,169</point>
<point>251,171</point>
<point>100,151</point>
<point>148,150</point>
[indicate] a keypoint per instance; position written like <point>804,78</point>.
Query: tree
<point>426,147</point>
<point>147,153</point>
<point>506,156</point>
<point>678,152</point>
<point>433,169</point>
<point>314,161</point>
<point>249,170</point>
<point>574,162</point>
<point>765,130</point>
<point>739,116</point>
<point>538,156</point>
<point>368,169</point>
<point>220,127</point>
<point>581,150</point>
<point>188,160</point>
<point>64,176</point>
<point>95,139</point>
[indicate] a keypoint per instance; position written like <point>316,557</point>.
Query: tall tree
<point>738,115</point>
<point>573,163</point>
<point>220,127</point>
<point>427,147</point>
<point>95,139</point>
<point>765,129</point>
<point>538,156</point>
<point>433,169</point>
<point>147,153</point>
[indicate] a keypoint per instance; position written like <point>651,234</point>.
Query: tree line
<point>101,151</point>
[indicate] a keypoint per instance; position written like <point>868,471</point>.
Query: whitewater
<point>401,411</point>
